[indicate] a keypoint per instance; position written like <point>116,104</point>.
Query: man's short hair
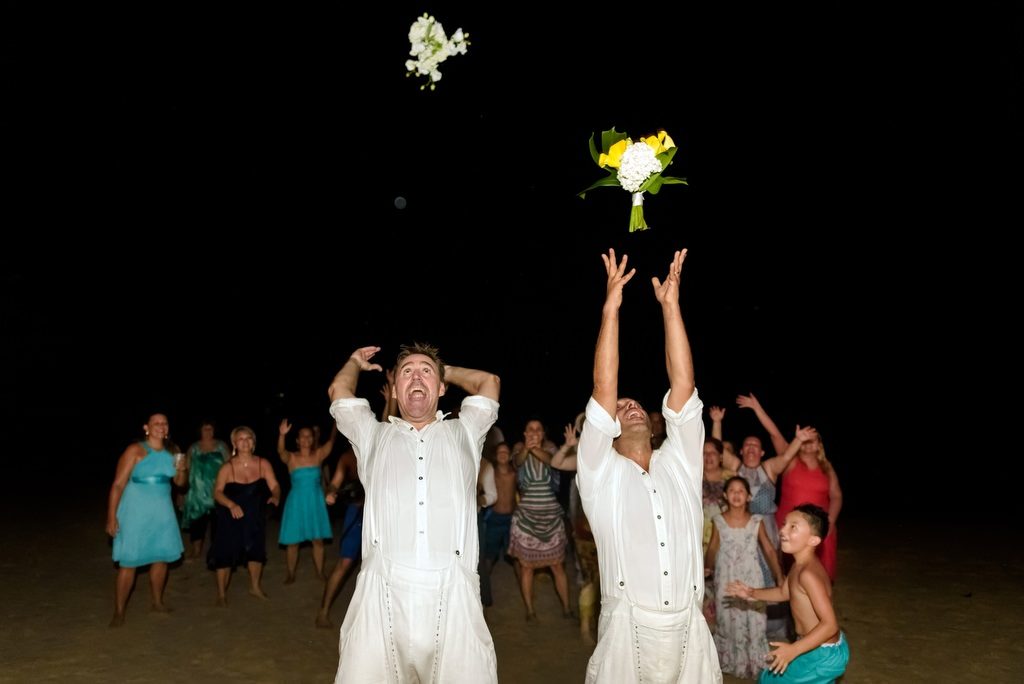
<point>407,350</point>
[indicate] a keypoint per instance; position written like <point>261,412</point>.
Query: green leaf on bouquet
<point>666,157</point>
<point>610,137</point>
<point>611,180</point>
<point>594,153</point>
<point>654,183</point>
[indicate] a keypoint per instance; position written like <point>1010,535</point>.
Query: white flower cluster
<point>637,164</point>
<point>430,47</point>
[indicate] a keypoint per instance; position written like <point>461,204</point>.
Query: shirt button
<point>666,603</point>
<point>421,458</point>
<point>659,517</point>
<point>421,503</point>
<point>666,573</point>
<point>662,543</point>
<point>622,584</point>
<point>457,553</point>
<point>421,477</point>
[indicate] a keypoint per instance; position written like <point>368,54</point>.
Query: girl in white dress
<point>732,555</point>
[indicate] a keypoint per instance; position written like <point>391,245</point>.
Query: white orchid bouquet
<point>430,47</point>
<point>635,167</point>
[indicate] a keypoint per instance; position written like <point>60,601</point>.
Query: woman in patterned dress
<point>202,461</point>
<point>537,536</point>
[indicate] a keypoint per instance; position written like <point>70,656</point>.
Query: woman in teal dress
<point>202,461</point>
<point>305,512</point>
<point>140,515</point>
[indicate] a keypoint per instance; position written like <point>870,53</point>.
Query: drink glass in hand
<point>179,459</point>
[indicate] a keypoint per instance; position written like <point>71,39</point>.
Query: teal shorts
<point>820,666</point>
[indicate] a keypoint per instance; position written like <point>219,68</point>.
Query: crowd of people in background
<point>761,527</point>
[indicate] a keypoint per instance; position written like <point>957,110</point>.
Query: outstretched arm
<point>344,384</point>
<point>335,484</point>
<point>562,460</point>
<point>390,402</point>
<point>606,357</point>
<point>751,402</point>
<point>776,465</point>
<point>730,461</point>
<point>282,451</point>
<point>678,359</point>
<point>744,591</point>
<point>474,381</point>
<point>325,449</point>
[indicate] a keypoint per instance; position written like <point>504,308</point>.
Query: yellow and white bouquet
<point>635,167</point>
<point>430,46</point>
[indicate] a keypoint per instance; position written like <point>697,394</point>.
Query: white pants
<point>655,647</point>
<point>411,626</point>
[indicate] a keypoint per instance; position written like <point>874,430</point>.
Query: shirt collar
<point>402,423</point>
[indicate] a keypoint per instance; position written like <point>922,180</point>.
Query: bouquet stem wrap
<point>636,215</point>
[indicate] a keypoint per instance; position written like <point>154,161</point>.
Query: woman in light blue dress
<point>305,511</point>
<point>140,515</point>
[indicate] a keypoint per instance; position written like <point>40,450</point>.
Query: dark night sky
<point>235,148</point>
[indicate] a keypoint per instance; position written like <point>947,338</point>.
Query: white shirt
<point>647,525</point>
<point>420,484</point>
<point>485,481</point>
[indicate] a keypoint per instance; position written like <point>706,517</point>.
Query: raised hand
<point>806,434</point>
<point>717,413</point>
<point>362,358</point>
<point>617,277</point>
<point>389,383</point>
<point>571,439</point>
<point>749,402</point>
<point>668,291</point>
<point>284,427</point>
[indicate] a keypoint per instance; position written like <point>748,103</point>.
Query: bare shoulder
<point>813,575</point>
<point>134,452</point>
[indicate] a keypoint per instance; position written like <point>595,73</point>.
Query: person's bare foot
<point>258,593</point>
<point>161,608</point>
<point>222,601</point>
<point>323,621</point>
<point>117,620</point>
<point>290,579</point>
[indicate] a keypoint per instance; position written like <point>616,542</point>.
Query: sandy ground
<point>919,603</point>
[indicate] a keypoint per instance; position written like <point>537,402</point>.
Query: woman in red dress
<point>810,478</point>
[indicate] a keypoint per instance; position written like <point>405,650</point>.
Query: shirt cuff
<point>480,401</point>
<point>693,407</point>
<point>600,419</point>
<point>339,405</point>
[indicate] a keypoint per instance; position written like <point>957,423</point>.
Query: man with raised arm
<point>644,507</point>
<point>415,615</point>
